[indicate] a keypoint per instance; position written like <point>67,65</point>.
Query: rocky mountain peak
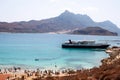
<point>66,13</point>
<point>65,21</point>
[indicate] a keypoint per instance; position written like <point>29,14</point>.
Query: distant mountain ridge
<point>64,22</point>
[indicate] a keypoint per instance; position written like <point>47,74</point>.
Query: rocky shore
<point>109,70</point>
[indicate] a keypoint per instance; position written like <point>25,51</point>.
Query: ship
<point>84,44</point>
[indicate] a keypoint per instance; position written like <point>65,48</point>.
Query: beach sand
<point>109,70</point>
<point>4,76</point>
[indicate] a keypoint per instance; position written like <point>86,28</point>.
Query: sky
<point>25,10</point>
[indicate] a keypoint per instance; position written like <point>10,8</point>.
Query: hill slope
<point>93,31</point>
<point>65,21</point>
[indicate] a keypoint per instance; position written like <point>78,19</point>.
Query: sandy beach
<point>16,73</point>
<point>109,70</point>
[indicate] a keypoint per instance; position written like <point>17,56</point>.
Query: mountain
<point>93,31</point>
<point>66,21</point>
<point>109,26</point>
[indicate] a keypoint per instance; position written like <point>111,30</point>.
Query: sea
<point>44,51</point>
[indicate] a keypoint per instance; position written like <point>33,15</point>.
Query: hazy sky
<point>25,10</point>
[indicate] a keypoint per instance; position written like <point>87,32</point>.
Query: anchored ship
<point>84,44</point>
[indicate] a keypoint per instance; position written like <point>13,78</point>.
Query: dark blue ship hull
<point>102,46</point>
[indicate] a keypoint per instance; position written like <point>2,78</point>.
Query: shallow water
<point>22,49</point>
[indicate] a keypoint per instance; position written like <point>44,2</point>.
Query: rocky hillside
<point>64,22</point>
<point>93,31</point>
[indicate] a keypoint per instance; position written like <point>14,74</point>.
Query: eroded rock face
<point>114,54</point>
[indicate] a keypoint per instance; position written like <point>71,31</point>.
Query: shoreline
<point>51,33</point>
<point>109,69</point>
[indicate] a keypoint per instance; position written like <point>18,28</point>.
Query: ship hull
<point>102,46</point>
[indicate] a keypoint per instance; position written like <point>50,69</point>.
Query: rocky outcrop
<point>114,54</point>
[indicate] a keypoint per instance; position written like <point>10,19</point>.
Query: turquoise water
<point>22,50</point>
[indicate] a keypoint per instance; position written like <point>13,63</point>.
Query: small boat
<point>36,59</point>
<point>84,44</point>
